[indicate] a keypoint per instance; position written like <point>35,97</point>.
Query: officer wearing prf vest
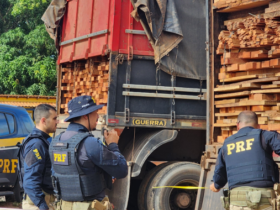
<point>35,163</point>
<point>83,166</point>
<point>245,162</point>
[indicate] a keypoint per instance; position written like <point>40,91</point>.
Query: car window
<point>11,122</point>
<point>4,129</point>
<point>28,123</point>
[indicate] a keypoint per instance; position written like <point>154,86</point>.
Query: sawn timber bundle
<point>91,78</point>
<point>250,71</point>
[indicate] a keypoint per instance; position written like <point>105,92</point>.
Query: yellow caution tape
<point>181,187</point>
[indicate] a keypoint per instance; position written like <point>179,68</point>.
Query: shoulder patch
<point>37,154</point>
<point>30,158</point>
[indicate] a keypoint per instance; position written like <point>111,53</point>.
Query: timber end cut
<point>85,78</point>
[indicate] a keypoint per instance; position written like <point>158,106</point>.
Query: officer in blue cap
<point>245,162</point>
<point>82,165</point>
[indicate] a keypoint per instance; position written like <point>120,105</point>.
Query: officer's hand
<point>113,180</point>
<point>213,188</point>
<point>111,137</point>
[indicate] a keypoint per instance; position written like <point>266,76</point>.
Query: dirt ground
<point>12,205</point>
<point>9,204</point>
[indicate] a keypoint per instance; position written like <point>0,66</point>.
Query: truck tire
<point>175,174</point>
<point>142,199</point>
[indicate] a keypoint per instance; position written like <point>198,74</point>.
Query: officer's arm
<point>34,164</point>
<point>108,158</point>
<point>272,139</point>
<point>220,174</point>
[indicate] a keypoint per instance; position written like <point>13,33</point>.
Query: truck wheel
<point>175,174</point>
<point>142,199</point>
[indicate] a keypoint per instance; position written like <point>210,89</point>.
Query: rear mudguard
<point>145,144</point>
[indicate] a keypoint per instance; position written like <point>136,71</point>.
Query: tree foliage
<point>27,53</point>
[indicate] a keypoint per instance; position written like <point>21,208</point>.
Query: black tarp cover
<point>177,29</point>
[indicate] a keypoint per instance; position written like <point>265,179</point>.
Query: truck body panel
<point>96,27</point>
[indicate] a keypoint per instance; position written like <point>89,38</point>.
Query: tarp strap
<point>158,69</point>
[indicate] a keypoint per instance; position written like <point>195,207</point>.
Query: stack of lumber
<point>85,79</point>
<point>249,74</point>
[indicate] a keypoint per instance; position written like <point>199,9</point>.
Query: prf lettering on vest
<point>59,157</point>
<point>37,154</point>
<point>8,166</point>
<point>240,146</point>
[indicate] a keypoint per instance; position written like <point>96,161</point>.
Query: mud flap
<point>206,199</point>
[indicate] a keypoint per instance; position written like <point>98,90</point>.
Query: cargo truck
<point>148,62</point>
<point>160,61</point>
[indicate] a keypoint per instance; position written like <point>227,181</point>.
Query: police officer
<point>35,163</point>
<point>83,166</point>
<point>245,162</point>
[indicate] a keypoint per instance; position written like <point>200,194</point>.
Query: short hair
<point>42,110</point>
<point>75,119</point>
<point>248,117</point>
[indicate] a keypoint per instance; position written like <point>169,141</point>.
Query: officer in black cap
<point>245,162</point>
<point>83,166</point>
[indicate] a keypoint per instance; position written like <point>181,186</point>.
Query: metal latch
<point>173,116</point>
<point>126,115</point>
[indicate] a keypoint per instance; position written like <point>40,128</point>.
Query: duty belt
<point>242,196</point>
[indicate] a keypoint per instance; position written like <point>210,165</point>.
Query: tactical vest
<point>246,160</point>
<point>74,184</point>
<point>47,173</point>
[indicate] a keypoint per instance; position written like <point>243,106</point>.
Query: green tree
<point>27,53</point>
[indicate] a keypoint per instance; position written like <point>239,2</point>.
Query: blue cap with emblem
<point>81,105</point>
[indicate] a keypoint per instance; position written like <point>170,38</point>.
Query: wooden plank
<point>269,97</point>
<point>253,66</point>
<point>270,86</point>
<point>246,5</point>
<point>232,95</point>
<point>231,114</point>
<point>225,125</point>
<point>257,103</point>
<point>260,108</point>
<point>248,103</point>
<point>260,80</point>
<point>227,101</point>
<point>230,88</point>
<point>266,91</point>
<point>240,78</point>
<point>274,127</point>
<point>221,139</point>
<point>271,14</point>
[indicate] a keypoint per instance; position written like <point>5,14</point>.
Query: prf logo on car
<point>8,166</point>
